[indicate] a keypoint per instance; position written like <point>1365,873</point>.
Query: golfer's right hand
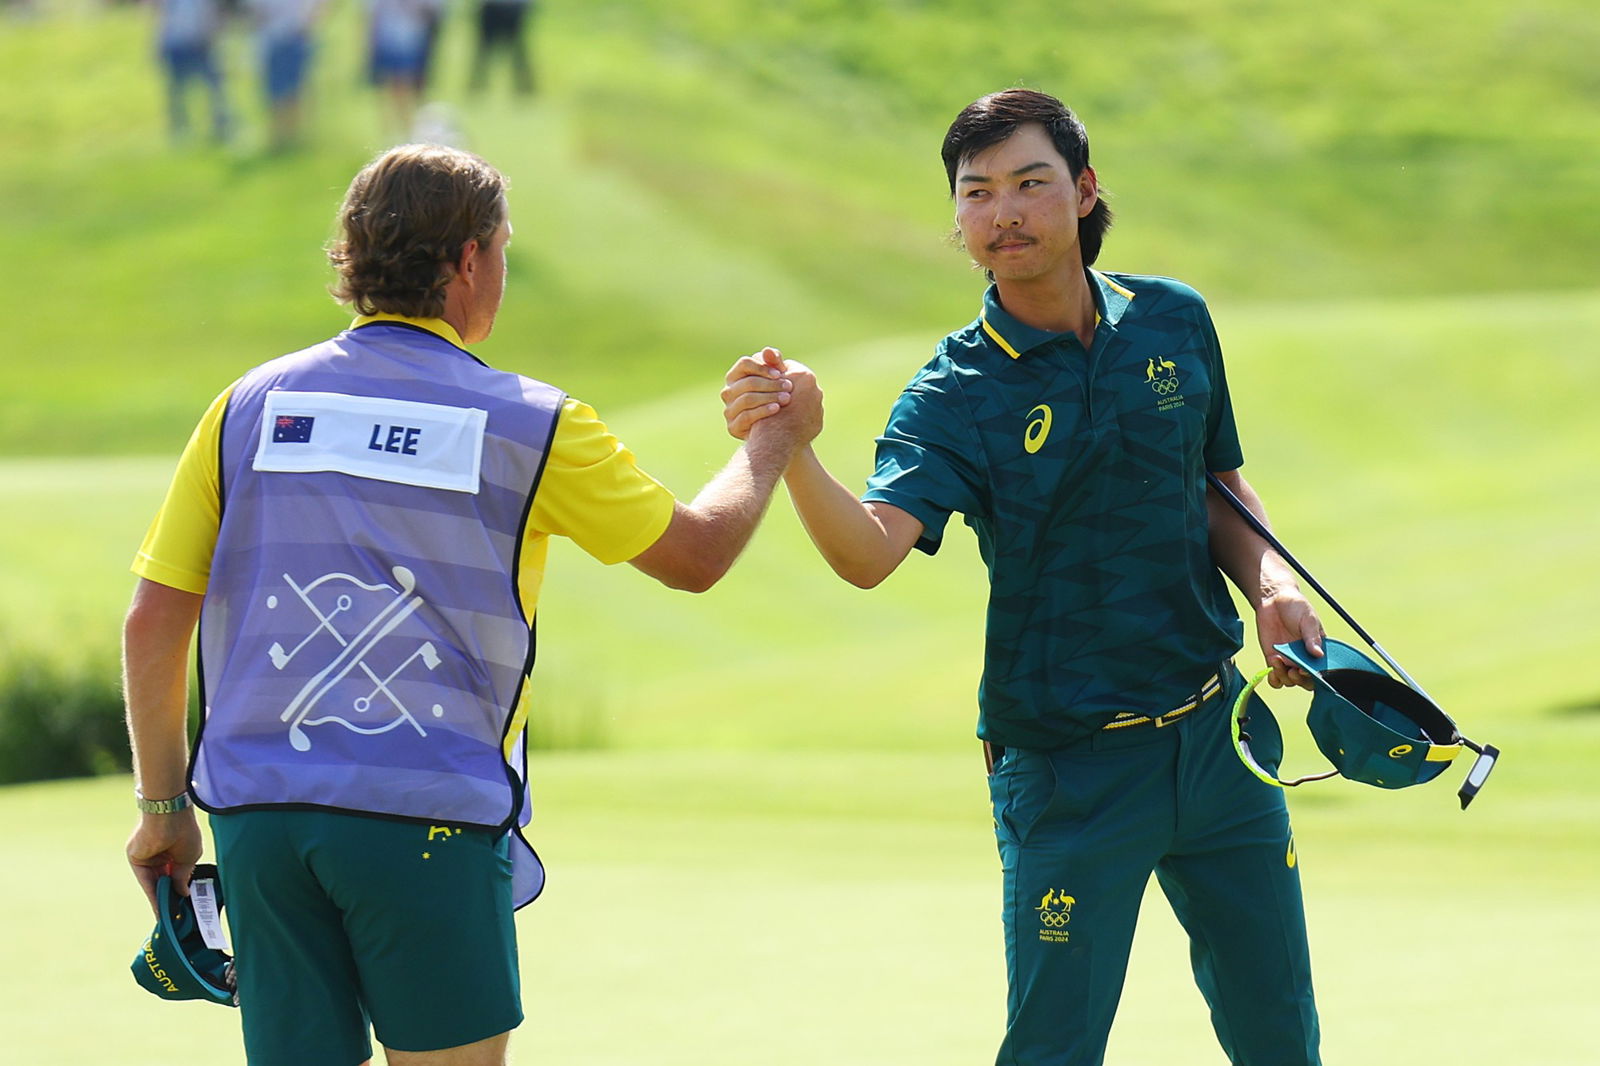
<point>165,844</point>
<point>756,388</point>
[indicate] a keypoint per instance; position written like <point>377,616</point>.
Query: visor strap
<point>1240,747</point>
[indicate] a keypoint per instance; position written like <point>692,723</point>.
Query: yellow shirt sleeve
<point>594,493</point>
<point>178,546</point>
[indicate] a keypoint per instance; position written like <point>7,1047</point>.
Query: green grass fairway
<point>719,909</point>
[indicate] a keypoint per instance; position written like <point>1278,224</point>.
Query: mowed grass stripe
<point>845,908</point>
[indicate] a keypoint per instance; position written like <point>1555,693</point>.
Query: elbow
<point>699,577</point>
<point>160,614</point>
<point>862,577</point>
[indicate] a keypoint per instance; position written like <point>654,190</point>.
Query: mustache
<point>1010,238</point>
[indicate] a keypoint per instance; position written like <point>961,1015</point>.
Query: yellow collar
<point>433,325</point>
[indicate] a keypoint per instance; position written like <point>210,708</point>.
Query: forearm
<point>707,535</point>
<point>849,534</point>
<point>155,670</point>
<point>1282,612</point>
<point>728,509</point>
<point>1239,551</point>
<point>156,642</point>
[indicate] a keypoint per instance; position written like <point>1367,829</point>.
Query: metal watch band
<point>166,806</point>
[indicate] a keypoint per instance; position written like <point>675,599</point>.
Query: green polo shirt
<point>1083,475</point>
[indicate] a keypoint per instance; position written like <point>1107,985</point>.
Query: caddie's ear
<point>467,264</point>
<point>1088,191</point>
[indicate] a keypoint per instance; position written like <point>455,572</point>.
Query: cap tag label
<point>203,894</point>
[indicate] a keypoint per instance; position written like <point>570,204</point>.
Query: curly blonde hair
<point>403,224</point>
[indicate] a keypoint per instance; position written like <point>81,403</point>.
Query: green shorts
<point>340,921</point>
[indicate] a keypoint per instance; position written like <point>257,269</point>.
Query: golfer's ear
<point>1088,191</point>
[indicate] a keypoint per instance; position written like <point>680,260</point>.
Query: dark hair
<point>404,222</point>
<point>986,122</point>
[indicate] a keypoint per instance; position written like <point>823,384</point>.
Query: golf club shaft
<point>1277,545</point>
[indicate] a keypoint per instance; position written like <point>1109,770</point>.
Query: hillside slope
<point>699,178</point>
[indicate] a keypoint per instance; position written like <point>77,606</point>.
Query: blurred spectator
<point>433,11</point>
<point>399,39</point>
<point>186,34</point>
<point>501,28</point>
<point>283,29</point>
<point>433,19</point>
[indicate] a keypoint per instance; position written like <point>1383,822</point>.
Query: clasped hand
<point>764,385</point>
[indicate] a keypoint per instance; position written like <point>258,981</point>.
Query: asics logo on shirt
<point>1033,437</point>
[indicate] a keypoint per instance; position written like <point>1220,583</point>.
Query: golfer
<point>1072,424</point>
<point>359,530</point>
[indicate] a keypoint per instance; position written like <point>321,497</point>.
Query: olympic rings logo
<point>1055,918</point>
<point>1165,386</point>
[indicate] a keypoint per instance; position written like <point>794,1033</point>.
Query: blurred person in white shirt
<point>186,37</point>
<point>283,33</point>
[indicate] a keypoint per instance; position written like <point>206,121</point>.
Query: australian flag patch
<point>292,429</point>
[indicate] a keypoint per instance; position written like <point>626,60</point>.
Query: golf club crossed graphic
<point>352,654</point>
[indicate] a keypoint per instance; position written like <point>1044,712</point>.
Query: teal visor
<point>1371,727</point>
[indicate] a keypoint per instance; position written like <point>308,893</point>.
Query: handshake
<point>767,396</point>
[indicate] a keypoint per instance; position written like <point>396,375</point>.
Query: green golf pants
<point>1080,831</point>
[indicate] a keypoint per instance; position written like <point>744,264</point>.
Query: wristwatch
<point>166,806</point>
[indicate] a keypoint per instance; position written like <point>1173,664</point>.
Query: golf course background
<point>763,808</point>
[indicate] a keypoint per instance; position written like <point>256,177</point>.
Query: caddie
<point>359,529</point>
<point>1072,424</point>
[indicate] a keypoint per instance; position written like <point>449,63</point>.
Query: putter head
<point>1488,756</point>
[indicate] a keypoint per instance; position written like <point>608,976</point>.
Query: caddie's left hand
<point>1284,616</point>
<point>165,844</point>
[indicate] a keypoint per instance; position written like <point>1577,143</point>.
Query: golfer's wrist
<point>1276,582</point>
